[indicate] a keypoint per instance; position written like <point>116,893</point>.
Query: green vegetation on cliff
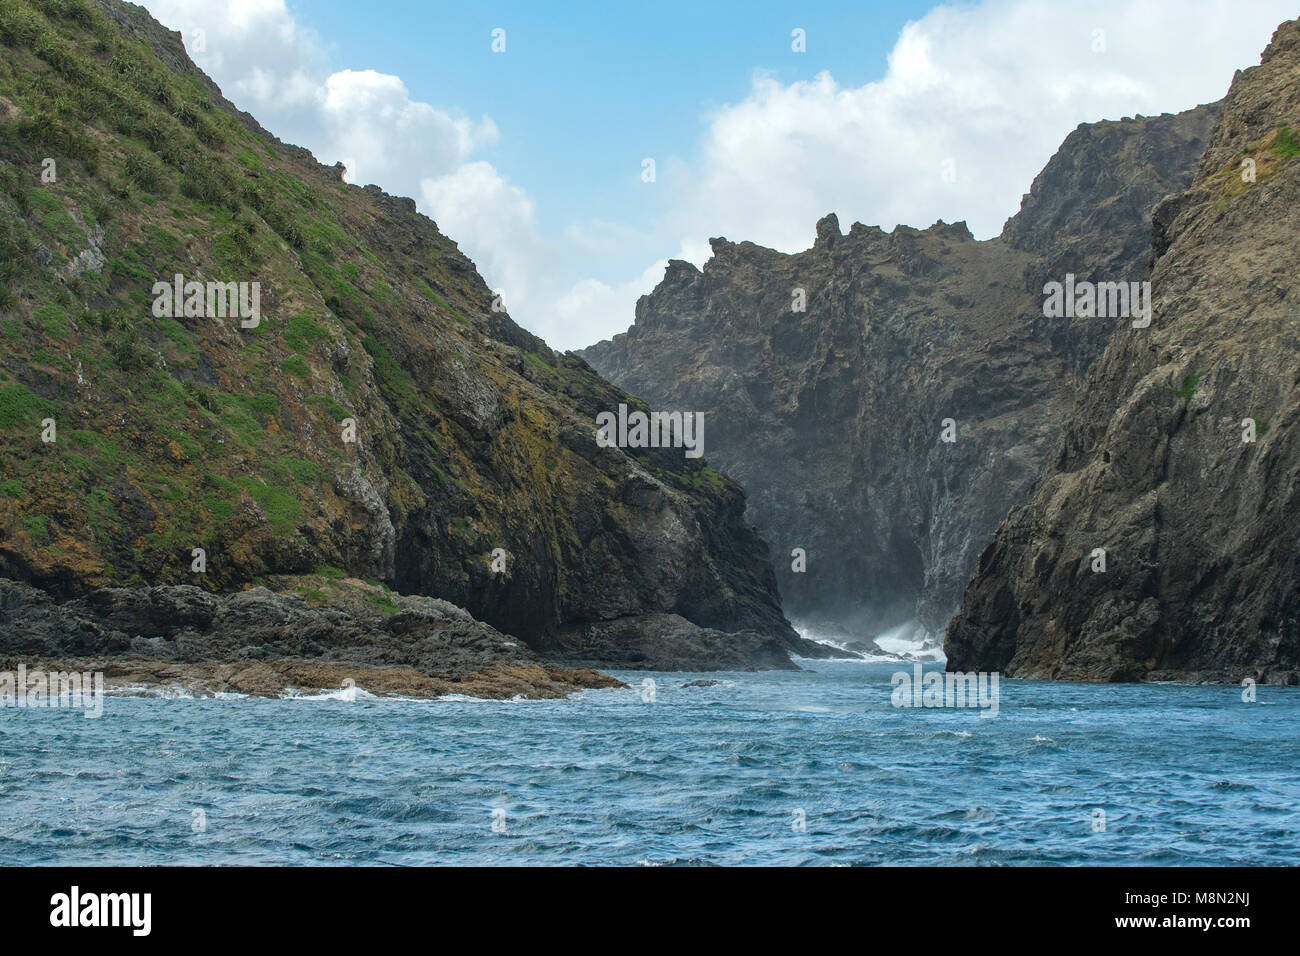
<point>380,418</point>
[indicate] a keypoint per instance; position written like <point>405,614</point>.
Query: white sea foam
<point>907,641</point>
<point>910,640</point>
<point>348,694</point>
<point>818,637</point>
<point>858,658</point>
<point>165,692</point>
<point>177,692</point>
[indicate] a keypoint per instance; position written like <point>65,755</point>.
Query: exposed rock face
<point>832,418</point>
<point>1089,210</point>
<point>1201,529</point>
<point>381,418</point>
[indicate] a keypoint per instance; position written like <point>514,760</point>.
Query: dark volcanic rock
<point>831,418</point>
<point>1201,529</point>
<point>670,642</point>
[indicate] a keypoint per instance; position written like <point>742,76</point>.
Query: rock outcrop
<point>1181,459</point>
<point>309,635</point>
<point>833,417</point>
<point>381,415</point>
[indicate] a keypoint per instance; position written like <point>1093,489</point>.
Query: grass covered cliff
<point>381,422</point>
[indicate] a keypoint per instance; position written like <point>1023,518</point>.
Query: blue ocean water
<point>722,774</point>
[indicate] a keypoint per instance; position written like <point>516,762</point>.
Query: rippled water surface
<point>1184,775</point>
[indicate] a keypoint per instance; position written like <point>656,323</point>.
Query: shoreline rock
<point>262,641</point>
<point>669,642</point>
<point>312,632</point>
<point>291,677</point>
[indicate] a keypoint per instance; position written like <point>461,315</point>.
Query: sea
<point>821,766</point>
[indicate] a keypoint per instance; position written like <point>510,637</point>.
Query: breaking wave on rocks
<point>911,642</point>
<point>906,642</point>
<point>354,694</point>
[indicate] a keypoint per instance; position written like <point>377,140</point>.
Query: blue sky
<point>532,159</point>
<point>585,91</point>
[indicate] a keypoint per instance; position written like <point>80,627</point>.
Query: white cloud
<point>495,220</point>
<point>269,64</point>
<point>390,138</point>
<point>588,309</point>
<point>995,87</point>
<point>261,55</point>
<point>987,91</point>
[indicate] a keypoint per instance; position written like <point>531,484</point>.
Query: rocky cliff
<point>381,417</point>
<point>1180,462</point>
<point>834,417</point>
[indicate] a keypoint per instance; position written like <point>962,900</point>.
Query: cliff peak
<point>828,230</point>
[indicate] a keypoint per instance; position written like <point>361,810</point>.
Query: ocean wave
<point>611,780</point>
<point>347,694</point>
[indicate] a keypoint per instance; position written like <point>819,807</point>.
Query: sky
<point>572,149</point>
